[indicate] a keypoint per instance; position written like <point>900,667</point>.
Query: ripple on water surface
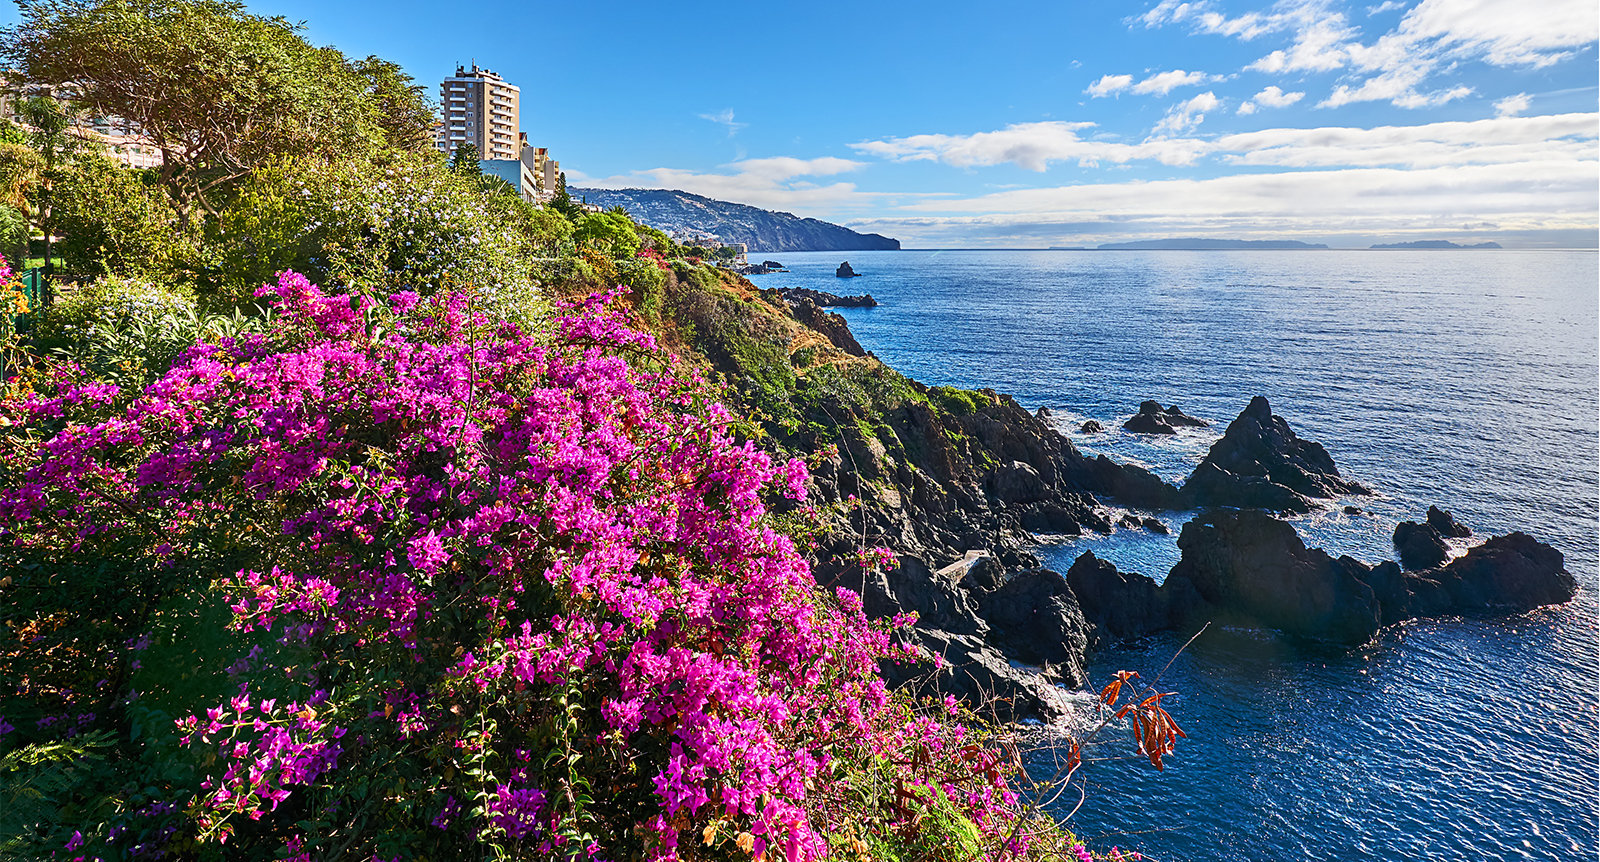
<point>1466,380</point>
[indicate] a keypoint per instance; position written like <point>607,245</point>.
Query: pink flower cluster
<point>464,525</point>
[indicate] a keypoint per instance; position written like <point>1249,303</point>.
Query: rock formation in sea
<point>1260,463</point>
<point>844,271</point>
<point>1246,567</point>
<point>1152,418</point>
<point>1420,546</point>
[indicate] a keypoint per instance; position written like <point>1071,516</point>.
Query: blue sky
<point>1067,123</point>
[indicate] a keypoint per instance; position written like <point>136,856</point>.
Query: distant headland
<point>733,223</point>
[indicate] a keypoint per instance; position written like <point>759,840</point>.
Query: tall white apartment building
<point>478,107</point>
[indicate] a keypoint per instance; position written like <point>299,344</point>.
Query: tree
<point>54,143</point>
<point>464,161</point>
<point>562,202</point>
<point>216,89</point>
<point>404,112</point>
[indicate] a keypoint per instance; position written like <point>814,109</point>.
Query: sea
<point>1463,379</point>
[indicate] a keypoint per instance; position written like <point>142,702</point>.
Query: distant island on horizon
<point>1434,243</point>
<point>1196,244</point>
<point>1199,244</point>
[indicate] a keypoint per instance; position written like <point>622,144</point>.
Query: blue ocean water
<point>1463,379</point>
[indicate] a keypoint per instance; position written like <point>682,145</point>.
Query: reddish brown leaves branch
<point>1153,727</point>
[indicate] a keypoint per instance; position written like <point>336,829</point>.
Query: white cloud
<point>1503,141</point>
<point>1108,85</point>
<point>1320,45</point>
<point>1398,86</point>
<point>1511,106</point>
<point>1187,114</point>
<point>724,117</point>
<point>1033,146</point>
<point>1163,83</point>
<point>1505,32</point>
<point>1270,97</point>
<point>1204,17</point>
<point>774,183</point>
<point>1398,66</point>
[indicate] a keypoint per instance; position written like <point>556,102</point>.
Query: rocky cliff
<point>761,230</point>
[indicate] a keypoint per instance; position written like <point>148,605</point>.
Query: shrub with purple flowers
<point>395,580</point>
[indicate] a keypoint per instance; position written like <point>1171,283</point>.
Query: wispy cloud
<point>1399,66</point>
<point>1163,83</point>
<point>724,117</point>
<point>1158,84</point>
<point>1109,85</point>
<point>1270,97</point>
<point>1036,146</point>
<point>1511,106</point>
<point>1187,114</point>
<point>1033,146</point>
<point>781,182</point>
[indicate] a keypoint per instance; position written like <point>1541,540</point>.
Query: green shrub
<point>610,232</point>
<point>129,331</point>
<point>377,228</point>
<point>961,402</point>
<point>647,283</point>
<point>112,222</point>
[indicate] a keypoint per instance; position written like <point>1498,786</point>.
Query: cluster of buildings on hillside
<point>480,108</point>
<point>477,107</point>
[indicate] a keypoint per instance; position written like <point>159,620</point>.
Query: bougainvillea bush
<point>394,581</point>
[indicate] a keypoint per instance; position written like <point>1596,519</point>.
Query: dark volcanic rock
<point>1248,567</point>
<point>844,271</point>
<point>1117,605</point>
<point>1420,546</point>
<point>1048,517</point>
<point>795,295</point>
<point>1152,418</point>
<point>913,586</point>
<point>1446,524</point>
<point>982,677</point>
<point>1254,567</point>
<point>1036,617</point>
<point>1127,483</point>
<point>1352,510</point>
<point>1017,482</point>
<point>1091,427</point>
<point>1260,463</point>
<point>1512,572</point>
<point>1149,423</point>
